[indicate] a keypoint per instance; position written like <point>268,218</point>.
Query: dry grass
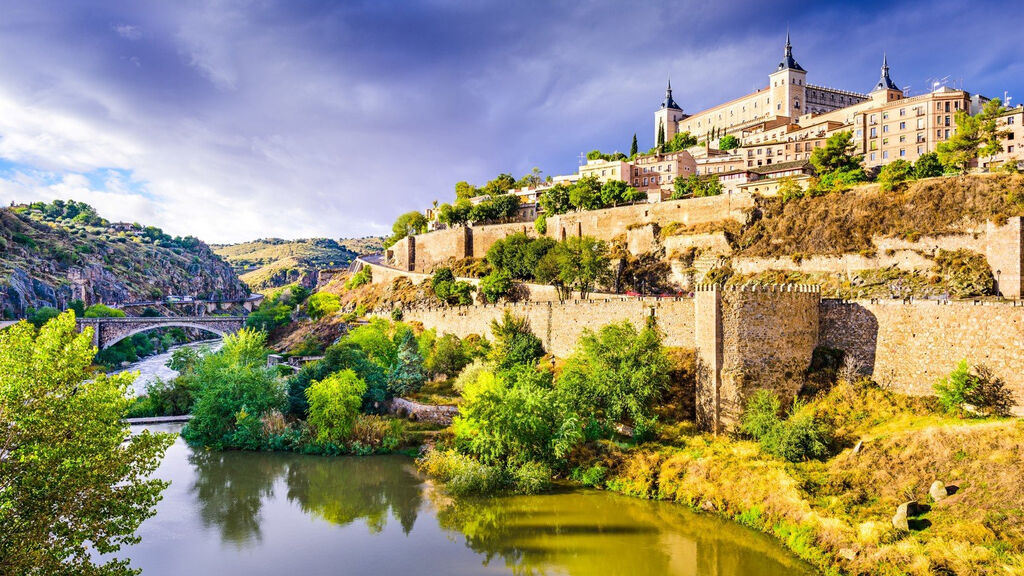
<point>836,514</point>
<point>845,223</point>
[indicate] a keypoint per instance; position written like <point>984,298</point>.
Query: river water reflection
<point>281,514</point>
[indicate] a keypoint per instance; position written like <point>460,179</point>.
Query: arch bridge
<point>109,331</point>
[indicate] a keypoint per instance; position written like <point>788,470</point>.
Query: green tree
<point>514,342</point>
<point>575,264</point>
<point>448,356</point>
<point>955,390</point>
<point>78,306</point>
<point>555,200</point>
<point>615,375</point>
<point>496,285</point>
<point>407,224</point>
<point>709,186</point>
<point>661,136</point>
<point>836,155</point>
<point>500,185</point>
<point>407,372</point>
<point>103,311</point>
<point>789,189</point>
<point>518,254</point>
<point>41,316</point>
<point>464,191</point>
<point>894,173</point>
<point>975,136</point>
<point>585,194</point>
<point>73,478</point>
<point>928,166</point>
<point>334,405</point>
<point>634,147</point>
<point>728,142</point>
<point>514,418</point>
<point>681,141</point>
<point>322,304</point>
<point>234,390</point>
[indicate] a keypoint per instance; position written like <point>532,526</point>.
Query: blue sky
<point>233,120</point>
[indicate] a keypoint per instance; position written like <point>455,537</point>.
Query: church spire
<point>885,82</point>
<point>788,62</point>
<point>669,102</point>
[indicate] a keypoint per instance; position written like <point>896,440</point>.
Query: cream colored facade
<point>1011,128</point>
<point>647,172</point>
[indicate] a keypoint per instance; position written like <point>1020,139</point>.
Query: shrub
<point>530,477</point>
<point>407,371</point>
<point>980,391</point>
<point>514,342</point>
<point>173,398</point>
<point>966,273</point>
<point>448,357</point>
<point>540,224</point>
<point>593,476</point>
<point>799,437</point>
<point>334,404</point>
<point>379,433</point>
<point>103,311</point>
<point>322,304</point>
<point>461,474</point>
<point>41,316</point>
<point>894,173</point>
<point>363,276</point>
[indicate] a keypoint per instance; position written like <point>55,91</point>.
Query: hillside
<point>51,254</point>
<point>273,262</point>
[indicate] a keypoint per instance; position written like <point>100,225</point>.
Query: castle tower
<point>886,90</point>
<point>788,85</point>
<point>667,117</point>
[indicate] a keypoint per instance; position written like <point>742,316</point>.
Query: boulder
<point>900,521</point>
<point>938,490</point>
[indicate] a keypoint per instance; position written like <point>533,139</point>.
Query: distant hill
<point>273,262</point>
<point>51,254</point>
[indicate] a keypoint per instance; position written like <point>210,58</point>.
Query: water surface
<point>287,514</point>
<point>153,368</point>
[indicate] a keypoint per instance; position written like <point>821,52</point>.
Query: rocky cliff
<point>273,262</point>
<point>51,254</point>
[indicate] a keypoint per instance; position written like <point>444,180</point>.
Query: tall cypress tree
<point>634,148</point>
<point>661,135</point>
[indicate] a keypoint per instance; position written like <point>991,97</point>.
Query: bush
<point>461,474</point>
<point>334,404</point>
<point>593,476</point>
<point>103,311</point>
<point>514,342</point>
<point>174,398</point>
<point>966,273</point>
<point>322,304</point>
<point>378,433</point>
<point>894,173</point>
<point>449,290</point>
<point>41,316</point>
<point>799,437</point>
<point>540,224</point>
<point>530,477</point>
<point>448,356</point>
<point>979,392</point>
<point>363,276</point>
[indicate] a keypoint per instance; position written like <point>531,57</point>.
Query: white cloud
<point>128,31</point>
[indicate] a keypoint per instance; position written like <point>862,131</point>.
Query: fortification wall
<point>483,237</point>
<point>560,324</point>
<point>1005,254</point>
<point>846,264</point>
<point>908,346</point>
<point>440,247</point>
<point>611,222</point>
<point>713,242</point>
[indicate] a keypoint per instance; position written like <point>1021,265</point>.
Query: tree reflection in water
<point>588,532</point>
<point>232,488</point>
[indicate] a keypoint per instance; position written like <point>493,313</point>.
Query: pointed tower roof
<point>788,62</point>
<point>885,83</point>
<point>669,102</point>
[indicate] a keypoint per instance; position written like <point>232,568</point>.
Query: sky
<point>236,120</point>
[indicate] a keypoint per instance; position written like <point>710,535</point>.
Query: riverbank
<point>837,513</point>
<point>153,368</point>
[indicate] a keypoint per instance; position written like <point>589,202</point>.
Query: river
<point>152,368</point>
<point>280,514</point>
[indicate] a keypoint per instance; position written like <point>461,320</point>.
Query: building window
<point>947,134</point>
<point>920,123</point>
<point>1010,120</point>
<point>903,111</point>
<point>947,120</point>
<point>903,125</point>
<point>874,132</point>
<point>920,150</point>
<point>885,128</point>
<point>859,132</point>
<point>938,133</point>
<point>872,156</point>
<point>947,106</point>
<point>1009,149</point>
<point>885,154</point>
<point>903,152</point>
<point>645,181</point>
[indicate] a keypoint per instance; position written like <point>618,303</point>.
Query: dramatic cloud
<point>232,120</point>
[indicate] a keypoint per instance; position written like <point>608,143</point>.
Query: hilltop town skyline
<point>203,119</point>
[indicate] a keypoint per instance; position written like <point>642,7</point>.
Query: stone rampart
<point>907,346</point>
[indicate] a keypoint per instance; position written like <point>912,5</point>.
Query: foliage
<point>696,186</point>
<point>615,375</point>
<point>345,355</point>
<point>585,194</point>
<point>41,316</point>
<point>275,311</point>
<point>575,264</point>
<point>966,273</point>
<point>173,398</point>
<point>555,200</point>
<point>496,285</point>
<point>360,278</point>
<point>448,357</point>
<point>598,155</point>
<point>799,437</point>
<point>495,207</point>
<point>322,304</point>
<point>73,479</point>
<point>975,136</point>
<point>979,391</point>
<point>234,390</point>
<point>518,254</point>
<point>928,166</point>
<point>540,224</point>
<point>837,166</point>
<point>680,141</point>
<point>789,189</point>
<point>728,142</point>
<point>634,147</point>
<point>406,373</point>
<point>462,475</point>
<point>334,404</point>
<point>407,224</point>
<point>514,342</point>
<point>449,290</point>
<point>894,173</point>
<point>515,418</point>
<point>103,311</point>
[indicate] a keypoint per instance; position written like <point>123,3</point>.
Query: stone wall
<point>560,324</point>
<point>908,346</point>
<point>417,412</point>
<point>485,236</point>
<point>611,222</point>
<point>1005,253</point>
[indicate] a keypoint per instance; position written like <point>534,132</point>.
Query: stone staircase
<point>705,262</point>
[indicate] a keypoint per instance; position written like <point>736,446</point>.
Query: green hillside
<point>273,262</point>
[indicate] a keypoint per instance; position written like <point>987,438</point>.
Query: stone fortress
<point>750,337</point>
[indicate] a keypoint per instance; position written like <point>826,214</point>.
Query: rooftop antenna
<point>583,158</point>
<point>1006,98</point>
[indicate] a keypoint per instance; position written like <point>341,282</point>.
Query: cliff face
<point>51,254</point>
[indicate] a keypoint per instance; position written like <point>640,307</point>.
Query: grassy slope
<point>837,514</point>
<point>273,262</point>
